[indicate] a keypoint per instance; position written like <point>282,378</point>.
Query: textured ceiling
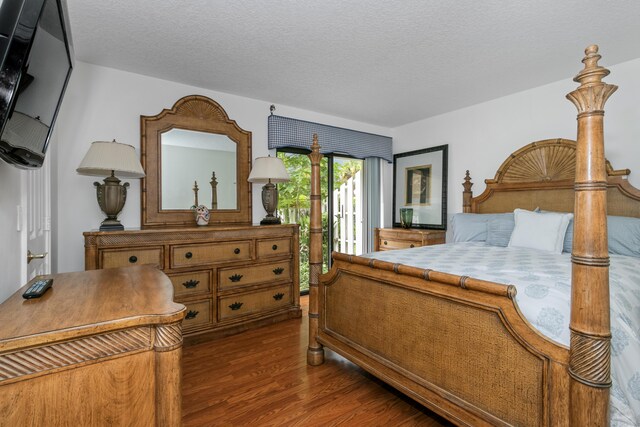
<point>377,61</point>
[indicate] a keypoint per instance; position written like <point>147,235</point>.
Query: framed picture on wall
<point>420,188</point>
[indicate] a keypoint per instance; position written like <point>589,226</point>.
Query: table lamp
<point>111,158</point>
<point>269,170</point>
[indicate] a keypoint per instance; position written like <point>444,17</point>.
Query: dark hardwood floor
<point>261,378</point>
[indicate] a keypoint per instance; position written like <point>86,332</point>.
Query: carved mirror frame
<point>197,113</point>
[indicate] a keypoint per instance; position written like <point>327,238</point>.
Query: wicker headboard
<point>541,174</point>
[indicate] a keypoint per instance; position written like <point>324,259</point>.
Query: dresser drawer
<point>389,244</point>
<point>110,258</point>
<point>400,238</point>
<point>198,315</point>
<point>254,302</point>
<point>274,247</point>
<point>209,253</point>
<point>233,277</point>
<point>192,284</point>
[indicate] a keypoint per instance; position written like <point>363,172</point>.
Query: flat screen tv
<point>36,62</point>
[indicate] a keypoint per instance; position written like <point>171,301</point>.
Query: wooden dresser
<point>98,348</point>
<point>229,278</point>
<point>399,238</point>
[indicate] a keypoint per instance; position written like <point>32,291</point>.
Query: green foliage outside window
<point>294,204</point>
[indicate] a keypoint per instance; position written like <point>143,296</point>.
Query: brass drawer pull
<point>412,245</point>
<point>274,247</point>
<point>278,271</point>
<point>191,314</point>
<point>385,242</point>
<point>191,283</point>
<point>235,277</point>
<point>236,306</point>
<point>278,296</point>
<point>236,251</point>
<point>133,259</point>
<point>188,255</point>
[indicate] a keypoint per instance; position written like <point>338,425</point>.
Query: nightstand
<point>400,238</point>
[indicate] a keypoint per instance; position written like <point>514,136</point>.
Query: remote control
<point>37,288</point>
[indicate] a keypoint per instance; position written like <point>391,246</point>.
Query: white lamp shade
<point>104,157</point>
<point>267,169</point>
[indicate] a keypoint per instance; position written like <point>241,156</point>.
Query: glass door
<point>347,205</point>
<point>344,207</point>
<point>294,206</point>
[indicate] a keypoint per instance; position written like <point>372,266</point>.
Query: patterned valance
<point>285,132</point>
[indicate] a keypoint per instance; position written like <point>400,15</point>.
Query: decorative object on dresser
<point>386,239</point>
<point>111,158</point>
<point>214,192</point>
<point>420,183</point>
<point>406,217</point>
<point>269,170</point>
<point>99,348</point>
<point>229,278</point>
<point>186,144</point>
<point>202,215</point>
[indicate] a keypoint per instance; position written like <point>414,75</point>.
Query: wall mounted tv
<point>36,62</point>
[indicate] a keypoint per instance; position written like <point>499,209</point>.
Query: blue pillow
<point>469,228</point>
<point>624,236</point>
<point>568,238</point>
<point>473,227</point>
<point>499,230</point>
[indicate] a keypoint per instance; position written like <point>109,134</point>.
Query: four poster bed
<point>462,346</point>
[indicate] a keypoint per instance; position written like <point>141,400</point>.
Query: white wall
<point>481,137</point>
<point>102,104</point>
<point>11,258</point>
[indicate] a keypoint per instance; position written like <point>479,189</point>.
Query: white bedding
<point>543,281</point>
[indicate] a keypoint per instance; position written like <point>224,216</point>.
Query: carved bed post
<point>315,353</point>
<point>467,194</point>
<point>590,358</point>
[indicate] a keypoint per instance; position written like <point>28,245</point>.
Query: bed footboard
<point>458,345</point>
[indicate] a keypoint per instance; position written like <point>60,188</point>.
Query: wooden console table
<point>99,348</point>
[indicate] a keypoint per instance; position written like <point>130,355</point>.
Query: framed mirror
<point>193,154</point>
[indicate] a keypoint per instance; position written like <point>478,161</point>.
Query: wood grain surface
<point>100,348</point>
<point>260,378</point>
<point>64,312</point>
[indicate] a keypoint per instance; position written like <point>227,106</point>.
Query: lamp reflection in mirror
<point>269,170</point>
<point>111,158</point>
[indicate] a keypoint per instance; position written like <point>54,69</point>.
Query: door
<point>342,213</point>
<point>347,205</point>
<point>35,224</point>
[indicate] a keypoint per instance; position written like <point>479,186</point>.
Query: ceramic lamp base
<point>270,204</point>
<point>111,198</point>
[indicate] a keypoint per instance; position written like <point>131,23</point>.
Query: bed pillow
<point>470,227</point>
<point>499,230</point>
<point>624,236</point>
<point>543,231</point>
<point>568,238</point>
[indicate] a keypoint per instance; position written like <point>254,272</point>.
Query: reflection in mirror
<point>190,157</point>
